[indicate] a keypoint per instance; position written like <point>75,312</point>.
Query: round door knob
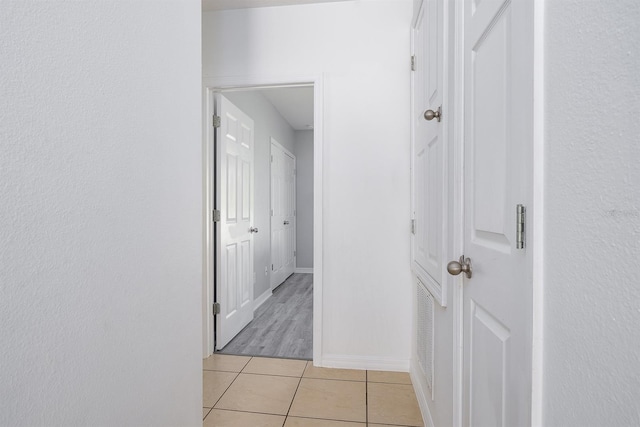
<point>286,223</point>
<point>430,114</point>
<point>253,230</point>
<point>462,266</point>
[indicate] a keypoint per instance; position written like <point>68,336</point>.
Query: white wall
<point>592,214</point>
<point>303,151</point>
<point>100,219</point>
<point>268,123</point>
<point>362,50</point>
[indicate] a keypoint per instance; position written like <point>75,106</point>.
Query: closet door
<point>429,153</point>
<point>498,102</point>
<point>283,202</point>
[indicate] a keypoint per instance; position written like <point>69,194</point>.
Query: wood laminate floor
<point>282,326</point>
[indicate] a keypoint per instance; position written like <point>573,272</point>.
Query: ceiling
<point>243,4</point>
<point>295,105</point>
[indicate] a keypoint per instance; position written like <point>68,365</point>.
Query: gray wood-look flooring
<point>282,326</point>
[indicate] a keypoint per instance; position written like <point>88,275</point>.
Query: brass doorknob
<point>253,230</point>
<point>430,114</point>
<point>462,266</point>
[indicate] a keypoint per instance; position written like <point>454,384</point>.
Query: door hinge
<point>216,308</point>
<point>294,253</point>
<point>413,226</point>
<point>413,62</point>
<point>216,121</point>
<point>216,215</point>
<point>271,267</point>
<point>521,218</point>
<point>271,159</point>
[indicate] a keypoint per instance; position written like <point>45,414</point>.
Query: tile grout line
<point>229,386</point>
<point>207,414</point>
<point>366,397</point>
<point>226,389</point>
<point>271,375</point>
<point>294,394</point>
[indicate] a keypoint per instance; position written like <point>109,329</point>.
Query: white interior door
<point>429,151</point>
<point>283,205</point>
<point>498,72</point>
<point>234,199</point>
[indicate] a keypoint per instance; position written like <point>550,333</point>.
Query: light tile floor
<point>263,392</point>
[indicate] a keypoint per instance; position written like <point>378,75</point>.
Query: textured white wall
<point>304,198</point>
<point>592,214</point>
<point>268,123</point>
<point>362,49</point>
<point>100,213</point>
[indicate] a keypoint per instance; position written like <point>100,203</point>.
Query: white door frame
<point>458,211</point>
<point>211,85</point>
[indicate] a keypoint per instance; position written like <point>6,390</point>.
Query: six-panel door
<point>234,173</point>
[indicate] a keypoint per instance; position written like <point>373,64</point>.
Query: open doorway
<point>280,120</point>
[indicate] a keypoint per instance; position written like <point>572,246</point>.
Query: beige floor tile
<point>330,399</point>
<point>334,374</point>
<point>393,404</point>
<point>214,383</point>
<point>223,362</point>
<point>388,377</point>
<point>312,422</point>
<point>259,393</point>
<point>268,366</point>
<point>222,418</point>
<point>205,411</point>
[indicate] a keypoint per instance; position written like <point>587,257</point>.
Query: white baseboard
<point>303,270</point>
<point>261,299</point>
<point>364,362</point>
<point>422,394</point>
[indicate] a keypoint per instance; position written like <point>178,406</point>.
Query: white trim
<point>207,226</point>
<point>261,299</point>
<point>234,82</point>
<point>536,226</point>
<point>319,146</point>
<point>303,270</point>
<point>421,395</point>
<point>280,146</point>
<point>363,362</point>
<point>458,217</point>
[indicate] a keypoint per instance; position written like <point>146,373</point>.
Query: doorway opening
<point>281,285</point>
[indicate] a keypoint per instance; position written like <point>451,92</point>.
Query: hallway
<point>282,326</point>
<point>245,391</point>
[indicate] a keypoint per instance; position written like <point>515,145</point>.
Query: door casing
<point>211,85</point>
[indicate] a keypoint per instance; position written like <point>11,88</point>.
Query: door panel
<point>498,136</point>
<point>489,72</point>
<point>490,351</point>
<point>234,179</point>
